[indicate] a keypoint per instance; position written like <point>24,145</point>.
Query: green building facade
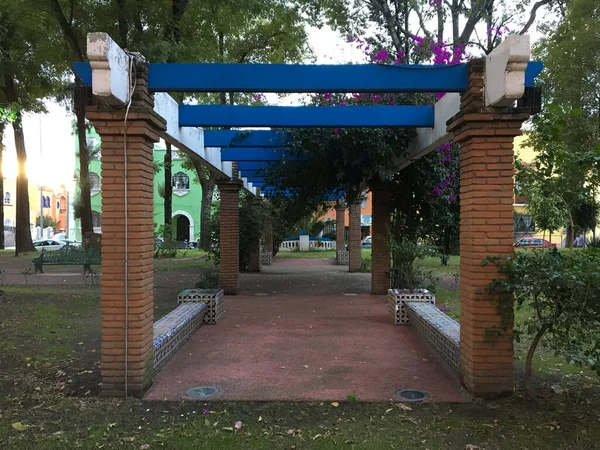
<point>187,192</point>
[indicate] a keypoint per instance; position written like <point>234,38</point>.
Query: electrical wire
<point>132,86</point>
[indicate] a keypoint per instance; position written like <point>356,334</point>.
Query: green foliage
<point>562,291</point>
<point>546,207</point>
<point>165,248</point>
<point>48,222</point>
<point>209,279</point>
<point>405,274</point>
<point>566,135</point>
<point>251,216</point>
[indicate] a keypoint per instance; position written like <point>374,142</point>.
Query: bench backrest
<point>70,254</point>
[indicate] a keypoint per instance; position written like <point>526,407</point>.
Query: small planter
<point>266,258</point>
<point>343,257</point>
<point>396,298</point>
<point>213,299</point>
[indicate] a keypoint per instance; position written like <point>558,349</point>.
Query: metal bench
<point>68,256</point>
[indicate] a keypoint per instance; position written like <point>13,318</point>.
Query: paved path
<point>305,340</point>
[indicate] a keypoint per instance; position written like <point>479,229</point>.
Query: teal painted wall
<point>186,202</point>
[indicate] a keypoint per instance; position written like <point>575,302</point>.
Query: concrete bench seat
<point>172,330</point>
<point>441,332</point>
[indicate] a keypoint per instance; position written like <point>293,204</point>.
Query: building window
<point>181,181</point>
<point>7,198</point>
<point>94,183</point>
<point>58,205</point>
<point>45,201</point>
<point>524,224</point>
<point>93,146</point>
<point>96,219</point>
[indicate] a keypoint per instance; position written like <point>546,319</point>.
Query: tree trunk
<point>87,224</point>
<point>168,205</point>
<point>207,181</point>
<point>529,361</point>
<point>2,126</point>
<point>23,242</point>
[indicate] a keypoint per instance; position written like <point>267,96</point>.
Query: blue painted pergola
<point>483,122</point>
<point>254,150</point>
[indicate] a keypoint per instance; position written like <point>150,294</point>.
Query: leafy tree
<point>546,207</point>
<point>29,71</point>
<point>6,117</point>
<point>561,292</point>
<point>566,134</point>
<point>254,31</point>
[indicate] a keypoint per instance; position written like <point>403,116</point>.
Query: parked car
<point>50,245</point>
<point>529,242</point>
<point>61,237</point>
<point>366,242</point>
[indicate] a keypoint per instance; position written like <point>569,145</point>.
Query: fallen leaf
<point>388,410</point>
<point>144,446</point>
<point>305,366</point>
<point>260,418</point>
<point>20,426</point>
<point>238,425</point>
<point>471,447</point>
<point>335,404</point>
<point>403,407</point>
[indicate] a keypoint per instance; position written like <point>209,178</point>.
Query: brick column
<point>254,256</point>
<point>143,126</point>
<point>268,231</point>
<point>380,253</point>
<point>340,233</point>
<point>485,136</point>
<point>229,241</point>
<point>354,238</point>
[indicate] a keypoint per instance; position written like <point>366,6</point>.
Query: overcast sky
<point>51,159</point>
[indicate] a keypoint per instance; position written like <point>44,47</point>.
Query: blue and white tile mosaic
<point>266,258</point>
<point>213,299</point>
<point>441,332</point>
<point>172,330</point>
<point>396,302</point>
<point>343,257</point>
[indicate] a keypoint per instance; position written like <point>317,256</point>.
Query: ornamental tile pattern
<point>213,299</point>
<point>171,331</point>
<point>441,332</point>
<point>396,302</point>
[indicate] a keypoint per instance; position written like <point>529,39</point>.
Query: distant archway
<point>183,225</point>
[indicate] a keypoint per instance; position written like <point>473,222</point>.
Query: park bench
<point>171,331</point>
<point>67,256</point>
<point>441,332</point>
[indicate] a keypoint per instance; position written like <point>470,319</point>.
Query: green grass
<point>49,356</point>
<point>185,259</point>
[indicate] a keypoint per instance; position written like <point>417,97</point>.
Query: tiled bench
<point>213,299</point>
<point>440,331</point>
<point>172,330</point>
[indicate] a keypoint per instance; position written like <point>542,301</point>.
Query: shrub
<point>562,290</point>
<point>404,274</point>
<point>209,279</point>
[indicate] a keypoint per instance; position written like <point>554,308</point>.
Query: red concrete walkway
<point>305,347</point>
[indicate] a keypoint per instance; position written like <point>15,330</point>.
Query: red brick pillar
<point>485,136</point>
<point>380,253</point>
<point>354,238</point>
<point>229,241</point>
<point>268,231</point>
<point>254,242</point>
<point>340,233</point>
<point>127,292</point>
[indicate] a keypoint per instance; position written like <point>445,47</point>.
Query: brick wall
<point>485,136</point>
<point>340,231</point>
<point>380,266</point>
<point>229,235</point>
<point>143,126</point>
<point>354,238</point>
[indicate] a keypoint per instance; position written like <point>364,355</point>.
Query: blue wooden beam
<point>305,116</point>
<point>201,77</point>
<point>251,154</point>
<point>306,78</point>
<point>247,138</point>
<point>534,68</point>
<point>254,166</point>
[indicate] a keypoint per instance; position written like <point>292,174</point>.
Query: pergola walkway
<point>293,334</point>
